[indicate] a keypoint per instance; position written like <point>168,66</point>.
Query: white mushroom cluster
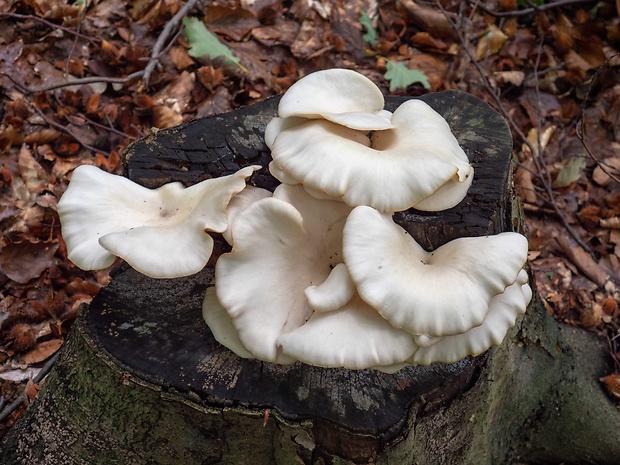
<point>328,278</point>
<point>333,136</point>
<point>318,271</point>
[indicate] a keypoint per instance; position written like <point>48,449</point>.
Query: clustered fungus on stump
<point>318,271</point>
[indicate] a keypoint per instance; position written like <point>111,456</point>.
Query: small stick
<point>527,11</point>
<point>37,379</point>
<point>8,14</point>
<point>163,36</point>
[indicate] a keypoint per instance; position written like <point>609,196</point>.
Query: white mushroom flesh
<point>282,245</point>
<point>393,171</point>
<point>437,293</point>
<point>159,232</point>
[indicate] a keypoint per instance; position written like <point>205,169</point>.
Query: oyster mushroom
<point>159,232</point>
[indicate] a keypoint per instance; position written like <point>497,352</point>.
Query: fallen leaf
<point>41,352</point>
<point>524,183</point>
<point>370,36</point>
<point>31,391</point>
<point>582,260</point>
<point>26,260</point>
<point>33,174</point>
<point>571,172</point>
<point>490,43</point>
<point>19,375</point>
<point>515,78</point>
<point>612,384</point>
<point>609,165</point>
<point>611,223</point>
<point>204,43</point>
<point>401,77</point>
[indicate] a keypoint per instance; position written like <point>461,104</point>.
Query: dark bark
<point>142,380</point>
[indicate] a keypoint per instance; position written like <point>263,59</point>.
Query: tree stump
<point>141,379</point>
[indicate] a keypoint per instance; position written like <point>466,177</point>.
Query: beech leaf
<point>204,43</point>
<point>400,77</point>
<point>571,172</point>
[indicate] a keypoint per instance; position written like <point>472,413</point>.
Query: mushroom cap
<point>342,96</point>
<point>447,196</point>
<point>239,203</point>
<point>332,293</point>
<point>353,336</point>
<point>159,232</point>
<point>218,320</point>
<point>277,125</point>
<point>282,245</point>
<point>394,171</point>
<point>437,293</point>
<point>503,311</point>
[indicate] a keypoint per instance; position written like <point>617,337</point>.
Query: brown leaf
<point>490,43</point>
<point>180,58</point>
<point>165,117</point>
<point>424,39</point>
<point>33,174</point>
<point>283,32</point>
<point>44,136</point>
<point>210,77</point>
<point>426,18</point>
<point>41,352</point>
<point>582,260</point>
<point>31,391</point>
<point>23,261</point>
<point>612,166</point>
<point>612,384</point>
<point>524,183</point>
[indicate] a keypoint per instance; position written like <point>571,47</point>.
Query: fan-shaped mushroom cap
<point>218,320</point>
<point>282,245</point>
<point>503,311</point>
<point>342,96</point>
<point>277,125</point>
<point>393,171</point>
<point>239,203</point>
<point>159,232</point>
<point>437,293</point>
<point>354,336</point>
<point>332,293</point>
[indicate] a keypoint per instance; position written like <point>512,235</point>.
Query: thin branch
<point>68,131</point>
<point>161,40</point>
<point>144,74</point>
<point>8,14</point>
<point>89,80</point>
<point>37,379</point>
<point>581,127</point>
<point>516,129</point>
<point>528,11</point>
<point>108,128</point>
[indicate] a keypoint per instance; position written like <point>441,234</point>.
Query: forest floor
<point>82,81</point>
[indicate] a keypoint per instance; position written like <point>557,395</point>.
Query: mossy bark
<point>142,381</point>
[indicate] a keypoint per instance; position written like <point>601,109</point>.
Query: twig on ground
<point>161,40</point>
<point>37,379</point>
<point>144,74</point>
<point>8,14</point>
<point>581,129</point>
<point>89,80</point>
<point>528,11</point>
<point>68,131</point>
<point>515,128</point>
